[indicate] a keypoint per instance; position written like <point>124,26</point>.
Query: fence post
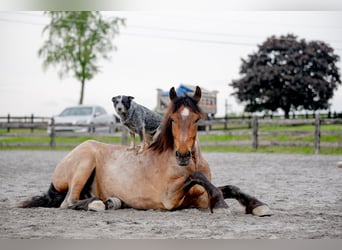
<point>32,120</point>
<point>92,128</point>
<point>317,133</point>
<point>226,122</point>
<point>52,134</point>
<point>207,126</point>
<point>255,126</point>
<point>124,136</point>
<point>8,121</point>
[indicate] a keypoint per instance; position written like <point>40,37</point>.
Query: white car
<point>96,116</point>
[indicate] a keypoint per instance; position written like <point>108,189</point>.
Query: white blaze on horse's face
<point>185,113</point>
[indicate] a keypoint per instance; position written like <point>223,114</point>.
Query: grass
<point>223,137</point>
<point>272,149</point>
<point>22,138</point>
<point>324,127</point>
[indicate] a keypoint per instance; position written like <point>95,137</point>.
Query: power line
<point>178,30</point>
<point>19,21</point>
<point>155,36</point>
<point>212,33</point>
<point>192,31</point>
<point>190,39</point>
<point>207,41</point>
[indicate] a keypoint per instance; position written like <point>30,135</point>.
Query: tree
<point>76,41</point>
<point>289,74</point>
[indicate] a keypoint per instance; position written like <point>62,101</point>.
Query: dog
<point>138,120</point>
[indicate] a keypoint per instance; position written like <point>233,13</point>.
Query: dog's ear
<point>173,94</point>
<point>114,98</point>
<point>130,98</point>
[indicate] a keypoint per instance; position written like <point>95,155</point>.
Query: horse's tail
<point>52,198</point>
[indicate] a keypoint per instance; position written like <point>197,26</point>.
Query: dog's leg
<point>156,134</point>
<point>132,144</point>
<point>149,138</point>
<point>145,141</point>
<point>142,139</point>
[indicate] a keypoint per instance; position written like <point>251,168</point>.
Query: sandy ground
<point>303,191</point>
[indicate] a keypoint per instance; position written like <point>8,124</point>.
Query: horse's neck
<point>196,152</point>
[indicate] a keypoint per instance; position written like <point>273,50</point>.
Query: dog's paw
<point>130,148</point>
<point>140,150</point>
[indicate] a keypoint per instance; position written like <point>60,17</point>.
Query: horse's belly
<point>129,180</point>
<point>134,194</point>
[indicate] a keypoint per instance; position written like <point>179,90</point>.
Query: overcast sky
<point>156,49</point>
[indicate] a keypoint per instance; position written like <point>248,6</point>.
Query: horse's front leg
<point>95,204</point>
<point>216,200</point>
<point>90,204</point>
<point>252,204</point>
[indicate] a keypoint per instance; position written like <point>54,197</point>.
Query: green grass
<point>272,149</point>
<point>308,138</point>
<point>325,127</point>
<point>223,137</point>
<point>202,137</point>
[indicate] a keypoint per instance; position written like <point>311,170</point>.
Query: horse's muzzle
<point>183,159</point>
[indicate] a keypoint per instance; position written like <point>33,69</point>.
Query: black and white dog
<point>138,119</point>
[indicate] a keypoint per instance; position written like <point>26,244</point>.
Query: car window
<point>100,111</point>
<point>81,111</point>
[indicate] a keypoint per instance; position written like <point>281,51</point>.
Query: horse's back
<point>118,172</point>
<point>79,163</point>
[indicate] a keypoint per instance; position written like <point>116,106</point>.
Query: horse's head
<point>183,118</point>
<point>179,127</point>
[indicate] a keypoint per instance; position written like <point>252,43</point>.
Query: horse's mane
<point>164,140</point>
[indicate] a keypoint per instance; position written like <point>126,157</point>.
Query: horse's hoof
<point>222,210</point>
<point>339,164</point>
<point>113,203</point>
<point>96,206</point>
<point>261,211</point>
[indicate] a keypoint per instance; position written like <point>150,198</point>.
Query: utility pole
<point>226,114</point>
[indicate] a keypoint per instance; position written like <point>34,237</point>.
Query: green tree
<point>288,74</point>
<point>76,41</point>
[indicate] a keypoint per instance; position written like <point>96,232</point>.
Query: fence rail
<point>253,129</point>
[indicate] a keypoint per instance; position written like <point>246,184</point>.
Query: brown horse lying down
<point>170,174</point>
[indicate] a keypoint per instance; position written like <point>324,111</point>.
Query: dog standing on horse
<point>137,119</point>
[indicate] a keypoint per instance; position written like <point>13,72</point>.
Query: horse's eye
<point>197,120</point>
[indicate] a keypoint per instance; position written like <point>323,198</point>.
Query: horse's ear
<point>173,94</point>
<point>198,94</point>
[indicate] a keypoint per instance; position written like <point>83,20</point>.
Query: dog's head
<point>122,104</point>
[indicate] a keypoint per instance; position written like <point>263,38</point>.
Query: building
<point>208,101</point>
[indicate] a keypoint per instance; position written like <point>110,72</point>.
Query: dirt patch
<point>303,191</point>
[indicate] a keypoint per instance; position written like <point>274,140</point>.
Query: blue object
<point>180,90</point>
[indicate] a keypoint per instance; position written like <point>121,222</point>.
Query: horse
<point>170,174</point>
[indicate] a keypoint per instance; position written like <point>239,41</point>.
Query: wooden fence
<point>255,123</point>
<point>252,128</point>
<point>19,122</point>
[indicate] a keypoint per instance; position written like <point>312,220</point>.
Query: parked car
<point>70,117</point>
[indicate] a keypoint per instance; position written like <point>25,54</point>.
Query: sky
<point>156,49</point>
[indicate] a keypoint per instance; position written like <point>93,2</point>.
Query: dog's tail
<point>52,198</point>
